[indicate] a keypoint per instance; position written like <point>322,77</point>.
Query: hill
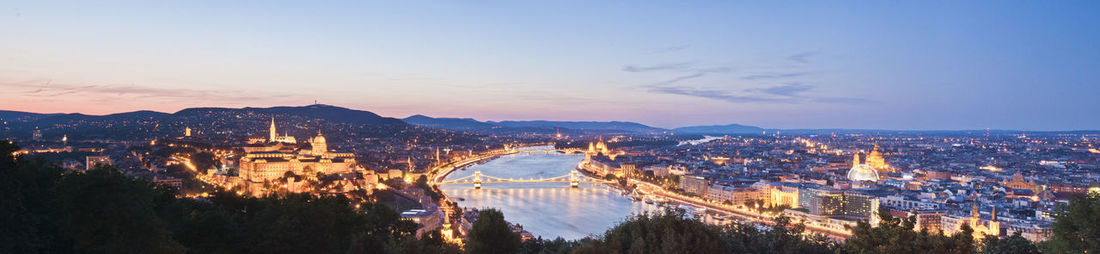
<point>585,125</point>
<point>720,129</point>
<point>464,124</point>
<point>319,111</point>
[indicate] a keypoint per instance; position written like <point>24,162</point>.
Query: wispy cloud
<point>802,57</point>
<point>659,67</point>
<point>714,94</point>
<point>788,93</point>
<point>131,91</point>
<point>774,76</point>
<point>789,90</point>
<point>669,49</point>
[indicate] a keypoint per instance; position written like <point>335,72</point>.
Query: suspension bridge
<point>552,151</point>
<point>573,178</point>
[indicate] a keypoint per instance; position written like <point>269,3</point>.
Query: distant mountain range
<point>359,117</point>
<point>324,112</point>
<point>468,124</point>
<point>461,124</point>
<point>588,126</point>
<point>720,129</point>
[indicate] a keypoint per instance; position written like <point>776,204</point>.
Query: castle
<point>282,156</point>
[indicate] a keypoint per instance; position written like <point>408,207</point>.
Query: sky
<point>907,65</point>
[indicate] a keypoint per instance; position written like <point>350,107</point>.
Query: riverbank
<point>547,209</point>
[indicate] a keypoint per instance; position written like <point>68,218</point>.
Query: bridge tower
<point>477,179</point>
<point>574,180</point>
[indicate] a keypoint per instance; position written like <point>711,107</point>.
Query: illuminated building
<point>91,162</point>
<point>274,136</point>
<point>981,226</point>
<point>696,185</point>
<point>781,195</point>
<point>862,173</point>
<point>428,219</point>
<point>875,160</point>
<point>187,131</point>
<point>1018,182</point>
<point>268,163</point>
<point>872,169</point>
<point>828,202</point>
<point>600,148</point>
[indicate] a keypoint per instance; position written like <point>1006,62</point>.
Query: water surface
<point>545,209</point>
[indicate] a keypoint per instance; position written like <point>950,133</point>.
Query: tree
<point>1076,228</point>
<point>542,246</point>
<point>668,232</point>
<point>204,161</point>
<point>48,210</point>
<point>896,235</point>
<point>1015,244</point>
<point>103,210</point>
<point>491,234</point>
<point>26,189</point>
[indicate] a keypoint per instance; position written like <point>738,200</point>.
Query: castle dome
<point>863,172</point>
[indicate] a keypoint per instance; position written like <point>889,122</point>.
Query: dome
<point>862,172</point>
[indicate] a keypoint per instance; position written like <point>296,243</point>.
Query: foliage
<point>1014,244</point>
<point>896,235</point>
<point>103,210</point>
<point>1077,226</point>
<point>661,233</point>
<point>431,191</point>
<point>542,246</point>
<point>671,232</point>
<point>204,161</point>
<point>46,209</point>
<point>491,234</point>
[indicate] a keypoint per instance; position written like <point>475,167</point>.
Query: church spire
<point>974,212</point>
<point>272,134</point>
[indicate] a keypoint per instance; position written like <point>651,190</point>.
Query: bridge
<point>573,178</point>
<point>550,151</point>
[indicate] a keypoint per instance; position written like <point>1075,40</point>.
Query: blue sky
<point>839,64</point>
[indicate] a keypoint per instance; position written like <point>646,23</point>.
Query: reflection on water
<point>546,209</point>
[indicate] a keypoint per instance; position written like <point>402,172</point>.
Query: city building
<point>428,219</point>
<point>273,136</point>
<point>695,185</point>
<point>91,162</point>
<point>279,160</point>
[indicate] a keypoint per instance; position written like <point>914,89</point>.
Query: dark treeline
<point>1076,231</point>
<point>48,210</point>
<point>45,209</point>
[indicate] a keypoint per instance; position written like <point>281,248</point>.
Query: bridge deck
<point>526,181</point>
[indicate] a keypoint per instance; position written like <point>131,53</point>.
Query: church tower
<point>273,134</point>
<point>876,161</point>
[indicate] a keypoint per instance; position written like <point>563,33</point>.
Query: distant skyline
<point>928,65</point>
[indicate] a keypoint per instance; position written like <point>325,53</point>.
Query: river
<point>548,210</point>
